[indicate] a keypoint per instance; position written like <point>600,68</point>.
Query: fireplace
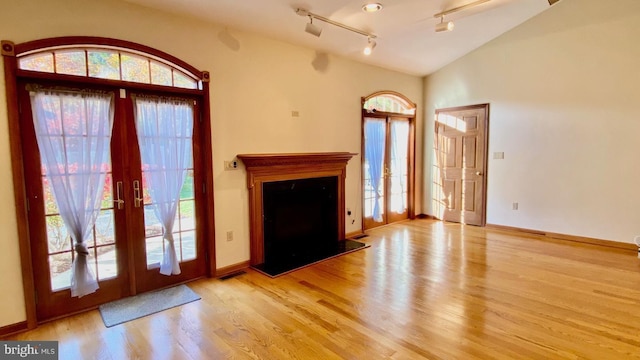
<point>296,205</point>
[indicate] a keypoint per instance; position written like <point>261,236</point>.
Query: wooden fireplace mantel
<point>263,168</point>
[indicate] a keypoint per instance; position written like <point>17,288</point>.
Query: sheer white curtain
<point>73,131</point>
<point>165,131</point>
<point>399,154</point>
<point>374,144</point>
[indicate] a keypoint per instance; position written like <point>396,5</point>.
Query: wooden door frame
<point>10,53</point>
<point>411,202</point>
<point>485,155</point>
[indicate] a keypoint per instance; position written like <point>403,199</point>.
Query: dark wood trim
<point>28,74</point>
<point>263,163</point>
<point>412,168</point>
<point>362,154</point>
<point>13,329</point>
<point>425,216</point>
<point>263,168</point>
<point>574,238</point>
<point>8,48</point>
<point>207,166</point>
<point>19,188</point>
<point>354,234</point>
<point>227,270</point>
<point>102,41</point>
<point>460,108</point>
<point>485,171</point>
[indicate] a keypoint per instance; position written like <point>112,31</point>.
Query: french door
<point>386,169</point>
<point>126,244</point>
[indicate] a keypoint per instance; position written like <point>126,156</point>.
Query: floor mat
<point>135,307</point>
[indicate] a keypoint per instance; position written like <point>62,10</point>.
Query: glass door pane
<point>68,129</point>
<point>184,228</point>
<point>164,129</point>
<point>166,133</point>
<point>374,171</point>
<point>398,169</point>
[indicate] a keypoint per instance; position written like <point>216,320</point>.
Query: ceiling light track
<point>459,8</point>
<point>303,12</point>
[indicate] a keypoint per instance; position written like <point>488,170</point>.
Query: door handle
<point>136,193</point>
<point>478,173</point>
<point>118,201</point>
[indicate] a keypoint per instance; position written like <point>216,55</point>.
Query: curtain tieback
<point>81,249</point>
<point>169,237</point>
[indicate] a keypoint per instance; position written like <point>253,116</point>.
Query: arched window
<point>153,225</point>
<point>389,101</point>
<point>108,62</point>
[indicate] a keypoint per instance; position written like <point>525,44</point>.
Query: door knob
<point>478,173</point>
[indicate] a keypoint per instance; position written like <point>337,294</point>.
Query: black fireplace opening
<point>300,223</point>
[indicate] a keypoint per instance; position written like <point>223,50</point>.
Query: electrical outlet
<point>231,165</point>
<point>514,206</point>
<point>229,235</point>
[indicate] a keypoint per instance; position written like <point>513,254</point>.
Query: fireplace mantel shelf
<point>287,166</point>
<point>258,160</point>
<point>263,168</point>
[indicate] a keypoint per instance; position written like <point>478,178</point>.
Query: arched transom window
<point>107,62</point>
<point>389,102</point>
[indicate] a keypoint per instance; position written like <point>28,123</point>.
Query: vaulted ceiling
<point>405,29</point>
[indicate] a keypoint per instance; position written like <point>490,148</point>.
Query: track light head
<point>444,26</point>
<point>369,48</point>
<point>316,30</point>
<point>312,29</point>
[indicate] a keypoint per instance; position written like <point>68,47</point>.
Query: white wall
<point>254,88</point>
<point>565,97</point>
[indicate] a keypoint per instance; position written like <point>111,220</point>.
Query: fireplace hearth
<point>297,209</point>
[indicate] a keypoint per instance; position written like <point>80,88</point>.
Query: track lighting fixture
<point>311,28</point>
<point>448,26</point>
<point>370,46</point>
<point>444,26</point>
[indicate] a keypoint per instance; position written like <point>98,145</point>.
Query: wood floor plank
<point>423,290</point>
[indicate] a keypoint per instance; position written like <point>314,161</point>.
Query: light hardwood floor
<point>424,289</point>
